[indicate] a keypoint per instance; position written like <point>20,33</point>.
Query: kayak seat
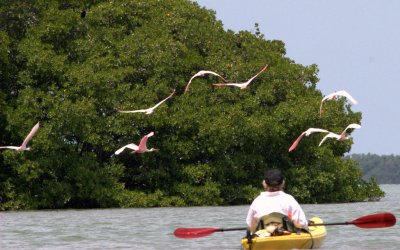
<point>280,221</point>
<point>275,219</point>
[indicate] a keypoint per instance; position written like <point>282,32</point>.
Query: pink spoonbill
<point>306,133</point>
<point>199,74</point>
<point>142,148</point>
<point>342,136</point>
<point>244,84</point>
<point>25,142</point>
<point>334,95</point>
<point>149,110</point>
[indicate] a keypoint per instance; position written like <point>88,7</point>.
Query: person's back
<point>275,200</point>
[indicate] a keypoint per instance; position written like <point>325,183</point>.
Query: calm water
<point>152,228</point>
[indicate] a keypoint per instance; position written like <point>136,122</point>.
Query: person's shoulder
<point>259,197</point>
<point>292,199</point>
<point>289,196</point>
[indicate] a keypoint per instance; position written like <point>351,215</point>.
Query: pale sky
<point>356,45</point>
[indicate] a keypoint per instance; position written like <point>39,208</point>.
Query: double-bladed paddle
<point>368,221</point>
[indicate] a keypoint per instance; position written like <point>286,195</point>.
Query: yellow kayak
<point>292,241</point>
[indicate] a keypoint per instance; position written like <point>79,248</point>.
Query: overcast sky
<point>356,45</point>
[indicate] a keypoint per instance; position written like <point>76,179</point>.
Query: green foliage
<point>207,194</point>
<point>141,199</point>
<point>72,65</point>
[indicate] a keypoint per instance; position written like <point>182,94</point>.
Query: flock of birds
<point>340,137</point>
<point>142,147</point>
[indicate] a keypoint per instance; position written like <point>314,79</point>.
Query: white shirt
<point>270,202</point>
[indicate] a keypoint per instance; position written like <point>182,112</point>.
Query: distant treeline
<point>384,168</point>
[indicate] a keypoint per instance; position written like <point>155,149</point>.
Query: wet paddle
<point>368,221</point>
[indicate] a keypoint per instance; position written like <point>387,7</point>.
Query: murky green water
<point>152,228</point>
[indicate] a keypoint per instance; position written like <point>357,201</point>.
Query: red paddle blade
<point>375,221</point>
<point>194,232</point>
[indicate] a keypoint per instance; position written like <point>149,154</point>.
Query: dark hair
<point>273,177</point>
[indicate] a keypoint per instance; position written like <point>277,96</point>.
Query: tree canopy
<point>71,65</point>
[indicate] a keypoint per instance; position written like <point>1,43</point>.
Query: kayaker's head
<point>273,180</point>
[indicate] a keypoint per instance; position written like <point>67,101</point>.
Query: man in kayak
<point>275,200</point>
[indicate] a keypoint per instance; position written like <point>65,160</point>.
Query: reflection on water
<point>152,228</point>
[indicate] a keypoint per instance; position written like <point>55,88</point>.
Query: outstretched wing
<point>143,141</point>
<point>333,95</point>
<point>149,110</point>
<point>329,135</point>
<point>262,70</point>
<point>133,111</point>
<point>307,133</point>
<point>158,104</point>
<point>327,97</point>
<point>130,146</point>
<point>296,142</point>
<point>320,106</point>
<point>244,84</point>
<point>347,95</point>
<point>10,147</point>
<point>187,85</point>
<point>353,125</point>
<point>229,84</point>
<point>30,135</point>
<point>202,73</point>
<point>314,130</point>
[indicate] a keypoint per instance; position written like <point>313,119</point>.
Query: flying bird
<point>306,133</point>
<point>25,142</point>
<point>202,73</point>
<point>334,95</point>
<point>149,110</point>
<point>342,136</point>
<point>244,84</point>
<point>142,148</point>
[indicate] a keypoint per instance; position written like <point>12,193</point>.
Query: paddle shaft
<point>329,224</point>
<point>232,229</point>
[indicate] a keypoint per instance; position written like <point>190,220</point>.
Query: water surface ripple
<point>152,228</point>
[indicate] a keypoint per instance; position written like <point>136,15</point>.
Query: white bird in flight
<point>142,148</point>
<point>306,133</point>
<point>334,95</point>
<point>202,73</point>
<point>244,84</point>
<point>25,142</point>
<point>149,110</point>
<point>342,136</point>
